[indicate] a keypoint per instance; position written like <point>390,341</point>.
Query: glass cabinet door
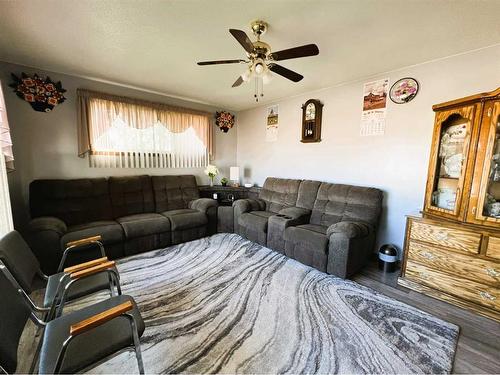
<point>448,164</point>
<point>485,207</point>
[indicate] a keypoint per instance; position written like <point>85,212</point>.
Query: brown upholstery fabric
<point>73,201</point>
<point>279,193</point>
<point>336,202</point>
<point>174,192</point>
<point>308,190</point>
<point>131,195</point>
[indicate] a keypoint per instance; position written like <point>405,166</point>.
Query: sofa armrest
<point>241,206</point>
<point>207,206</point>
<point>278,223</point>
<point>48,223</point>
<point>203,204</point>
<point>44,238</point>
<point>350,229</point>
<point>296,213</point>
<point>349,248</point>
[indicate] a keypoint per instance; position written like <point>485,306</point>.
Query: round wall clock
<point>404,90</point>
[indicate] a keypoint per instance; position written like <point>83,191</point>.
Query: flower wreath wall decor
<point>42,94</point>
<point>224,120</point>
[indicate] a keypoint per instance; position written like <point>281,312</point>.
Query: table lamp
<point>234,175</point>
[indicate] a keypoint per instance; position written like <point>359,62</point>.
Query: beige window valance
<point>126,127</point>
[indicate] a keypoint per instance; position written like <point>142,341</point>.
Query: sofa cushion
<point>279,193</point>
<point>313,236</point>
<point>141,225</point>
<point>174,192</point>
<point>73,201</point>
<point>336,202</point>
<point>110,231</point>
<point>185,218</point>
<point>131,195</point>
<point>255,220</point>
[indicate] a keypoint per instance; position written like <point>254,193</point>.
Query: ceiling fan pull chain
<point>256,91</point>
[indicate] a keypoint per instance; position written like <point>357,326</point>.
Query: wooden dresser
<point>452,250</point>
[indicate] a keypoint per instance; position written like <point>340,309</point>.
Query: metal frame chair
<point>121,306</point>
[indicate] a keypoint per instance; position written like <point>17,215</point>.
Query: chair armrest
<point>203,204</point>
<point>73,245</point>
<point>349,229</point>
<point>84,241</point>
<point>99,319</point>
<point>85,265</point>
<point>92,270</point>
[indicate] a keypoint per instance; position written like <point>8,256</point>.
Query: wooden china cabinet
<point>452,250</point>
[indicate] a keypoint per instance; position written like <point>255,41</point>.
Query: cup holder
<point>280,215</point>
<point>287,217</point>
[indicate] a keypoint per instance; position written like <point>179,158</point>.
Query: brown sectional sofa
<point>132,214</point>
<point>331,227</point>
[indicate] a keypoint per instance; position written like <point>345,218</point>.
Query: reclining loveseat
<point>331,227</point>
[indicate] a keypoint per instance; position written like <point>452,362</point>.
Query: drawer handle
<point>492,272</point>
<point>486,295</point>
<point>441,236</point>
<point>427,255</point>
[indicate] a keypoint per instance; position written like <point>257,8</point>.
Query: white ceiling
<point>155,44</point>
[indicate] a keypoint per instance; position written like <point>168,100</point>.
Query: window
<point>6,163</point>
<point>126,133</point>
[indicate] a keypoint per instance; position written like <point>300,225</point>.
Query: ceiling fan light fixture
<point>267,77</point>
<point>259,68</point>
<point>246,75</point>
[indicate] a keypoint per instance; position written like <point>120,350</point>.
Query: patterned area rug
<point>224,304</point>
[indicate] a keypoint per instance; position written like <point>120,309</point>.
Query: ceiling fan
<point>261,60</point>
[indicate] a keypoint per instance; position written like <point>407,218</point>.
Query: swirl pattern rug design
<point>226,305</point>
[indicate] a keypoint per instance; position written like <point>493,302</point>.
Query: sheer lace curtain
<point>120,132</point>
<point>6,163</point>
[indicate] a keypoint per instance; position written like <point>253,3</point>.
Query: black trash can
<point>388,258</point>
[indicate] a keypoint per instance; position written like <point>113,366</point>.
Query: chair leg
<point>137,344</point>
<point>36,355</point>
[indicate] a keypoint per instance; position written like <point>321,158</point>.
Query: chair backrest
<point>131,195</point>
<point>174,192</point>
<point>14,312</point>
<point>73,201</point>
<point>20,260</point>
<point>279,193</point>
<point>337,202</point>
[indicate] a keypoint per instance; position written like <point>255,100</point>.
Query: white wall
<point>45,144</point>
<point>395,162</point>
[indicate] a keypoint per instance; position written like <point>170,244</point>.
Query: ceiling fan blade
<point>243,39</point>
<point>216,62</point>
<point>293,53</point>
<point>238,82</point>
<point>287,73</point>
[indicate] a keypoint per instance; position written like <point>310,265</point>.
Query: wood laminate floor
<point>478,349</point>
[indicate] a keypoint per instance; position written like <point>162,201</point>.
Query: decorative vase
<point>211,182</point>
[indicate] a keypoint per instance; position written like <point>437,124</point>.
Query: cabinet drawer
<point>454,238</point>
<point>469,267</point>
<point>493,249</point>
<point>481,294</point>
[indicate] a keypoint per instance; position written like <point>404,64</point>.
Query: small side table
<point>225,223</point>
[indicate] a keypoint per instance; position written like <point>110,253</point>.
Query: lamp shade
<point>234,173</point>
